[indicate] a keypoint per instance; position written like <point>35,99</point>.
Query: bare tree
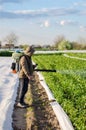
<point>59,39</point>
<point>82,40</point>
<point>11,39</point>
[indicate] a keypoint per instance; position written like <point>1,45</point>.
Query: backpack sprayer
<point>13,67</point>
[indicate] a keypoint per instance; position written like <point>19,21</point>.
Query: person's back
<point>26,67</point>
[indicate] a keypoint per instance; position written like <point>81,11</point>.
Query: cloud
<point>76,3</point>
<point>8,15</point>
<point>38,13</point>
<point>83,4</point>
<point>67,22</point>
<point>83,28</point>
<point>46,24</point>
<point>0,7</point>
<point>83,12</point>
<point>62,22</point>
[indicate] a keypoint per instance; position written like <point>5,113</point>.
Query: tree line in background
<point>62,44</point>
<point>59,44</point>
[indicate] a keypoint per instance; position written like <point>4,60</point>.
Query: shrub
<point>5,53</point>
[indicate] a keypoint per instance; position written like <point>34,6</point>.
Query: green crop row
<point>68,85</point>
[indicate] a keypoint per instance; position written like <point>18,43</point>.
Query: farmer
<point>25,75</point>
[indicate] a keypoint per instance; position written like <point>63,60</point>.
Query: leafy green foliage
<point>64,45</point>
<point>68,85</point>
<point>5,53</point>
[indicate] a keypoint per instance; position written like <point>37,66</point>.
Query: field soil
<point>39,115</point>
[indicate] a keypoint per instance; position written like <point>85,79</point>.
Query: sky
<point>41,22</point>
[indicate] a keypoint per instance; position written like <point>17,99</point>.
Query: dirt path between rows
<point>39,115</point>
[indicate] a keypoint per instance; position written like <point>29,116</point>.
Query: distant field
<point>68,84</point>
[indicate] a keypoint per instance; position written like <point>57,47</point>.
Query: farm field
<point>68,84</point>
